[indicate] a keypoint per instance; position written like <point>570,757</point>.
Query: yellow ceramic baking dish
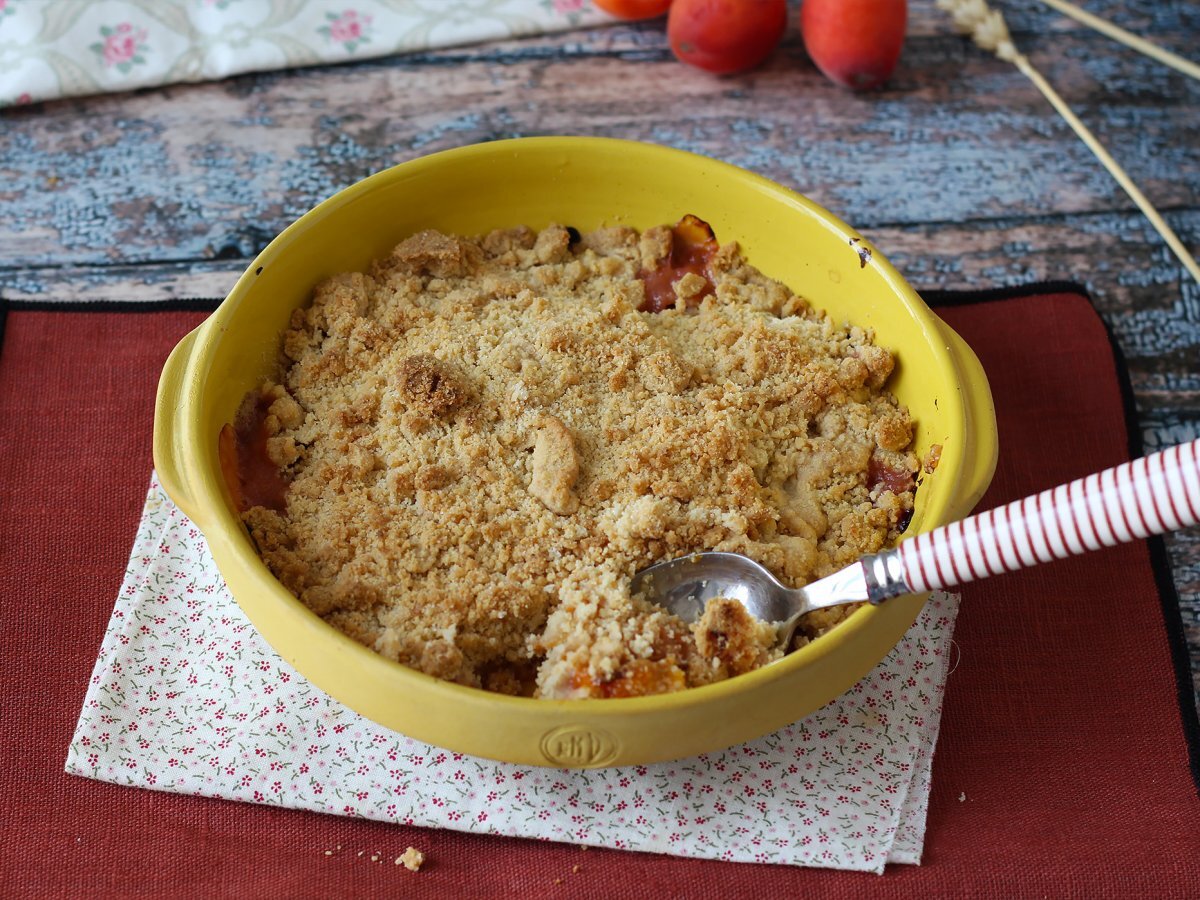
<point>588,183</point>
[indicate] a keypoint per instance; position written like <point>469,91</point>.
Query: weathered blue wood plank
<point>201,172</point>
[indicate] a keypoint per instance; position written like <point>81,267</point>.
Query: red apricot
<point>856,43</point>
<point>725,36</point>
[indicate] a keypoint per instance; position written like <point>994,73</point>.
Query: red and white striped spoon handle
<point>1151,495</point>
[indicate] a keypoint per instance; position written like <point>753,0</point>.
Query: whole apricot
<point>725,36</point>
<point>855,43</point>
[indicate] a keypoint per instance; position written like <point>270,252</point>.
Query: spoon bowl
<point>684,586</point>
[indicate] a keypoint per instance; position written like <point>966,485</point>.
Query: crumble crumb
<point>429,384</point>
<point>932,457</point>
<point>412,859</point>
<point>732,640</point>
<point>555,467</point>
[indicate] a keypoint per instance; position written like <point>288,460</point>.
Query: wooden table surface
<point>959,170</point>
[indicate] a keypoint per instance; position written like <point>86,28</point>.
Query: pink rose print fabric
<point>63,48</point>
<point>186,697</point>
<point>123,46</point>
<point>349,28</point>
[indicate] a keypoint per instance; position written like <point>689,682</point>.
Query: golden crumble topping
<point>484,438</point>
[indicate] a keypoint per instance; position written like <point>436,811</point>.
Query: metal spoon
<point>1151,495</point>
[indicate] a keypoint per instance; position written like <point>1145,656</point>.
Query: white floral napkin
<point>186,697</point>
<point>62,48</point>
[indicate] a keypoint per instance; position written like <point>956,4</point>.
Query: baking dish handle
<point>170,462</point>
<point>979,427</point>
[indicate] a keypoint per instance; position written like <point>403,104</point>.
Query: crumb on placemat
<point>412,859</point>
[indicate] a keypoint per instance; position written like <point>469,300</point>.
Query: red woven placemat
<point>1062,766</point>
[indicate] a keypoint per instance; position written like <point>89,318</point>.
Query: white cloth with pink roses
<point>62,48</point>
<point>186,697</point>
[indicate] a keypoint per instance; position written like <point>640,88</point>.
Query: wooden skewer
<point>1166,57</point>
<point>989,30</point>
<point>1111,164</point>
